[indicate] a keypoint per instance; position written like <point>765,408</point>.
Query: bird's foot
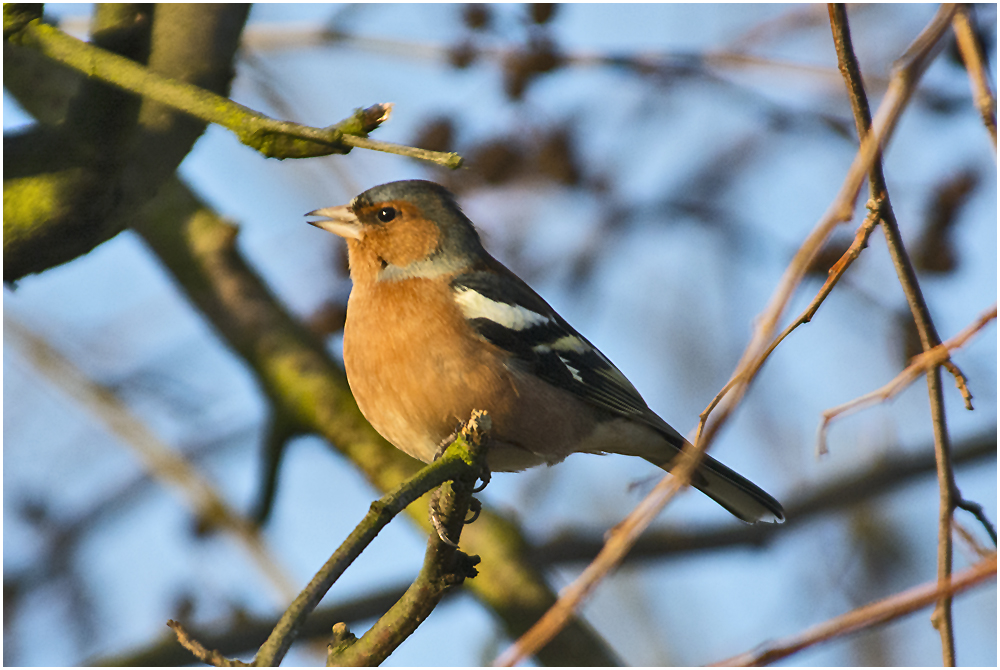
<point>436,521</point>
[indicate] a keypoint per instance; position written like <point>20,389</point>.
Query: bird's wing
<point>506,312</point>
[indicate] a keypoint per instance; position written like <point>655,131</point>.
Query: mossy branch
<point>445,567</point>
<point>462,461</point>
<point>271,137</point>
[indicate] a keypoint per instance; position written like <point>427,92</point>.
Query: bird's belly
<point>418,383</point>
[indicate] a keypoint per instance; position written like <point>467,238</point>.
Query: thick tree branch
<point>67,188</point>
<point>85,179</point>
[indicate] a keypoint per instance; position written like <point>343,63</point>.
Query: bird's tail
<point>737,494</point>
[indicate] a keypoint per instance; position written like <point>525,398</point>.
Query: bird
<point>436,327</point>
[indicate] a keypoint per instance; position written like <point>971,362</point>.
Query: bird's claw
<point>435,513</point>
<point>446,442</point>
<point>476,508</point>
<point>484,477</point>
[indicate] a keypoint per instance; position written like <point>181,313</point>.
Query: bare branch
<point>836,272</point>
<point>207,656</point>
<point>920,364</point>
<point>445,567</point>
<point>462,460</point>
<point>921,51</point>
<point>976,64</point>
<point>906,74</point>
<point>877,613</point>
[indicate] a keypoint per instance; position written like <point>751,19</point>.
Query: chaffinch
<point>436,327</point>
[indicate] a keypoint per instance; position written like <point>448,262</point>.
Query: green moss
<point>17,15</point>
<point>30,202</point>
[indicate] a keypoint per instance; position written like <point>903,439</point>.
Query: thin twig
<point>905,76</point>
<point>961,382</point>
<point>203,654</point>
<point>620,539</point>
<point>914,297</point>
<point>971,541</point>
<point>833,276</point>
<point>880,612</point>
<point>976,64</point>
<point>976,510</point>
<point>921,363</point>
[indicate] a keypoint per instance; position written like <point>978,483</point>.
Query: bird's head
<point>403,230</point>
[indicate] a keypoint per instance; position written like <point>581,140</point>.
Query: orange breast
<point>417,381</point>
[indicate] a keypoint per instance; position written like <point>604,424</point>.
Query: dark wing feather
<point>545,344</point>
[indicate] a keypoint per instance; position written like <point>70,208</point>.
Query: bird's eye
<point>386,214</point>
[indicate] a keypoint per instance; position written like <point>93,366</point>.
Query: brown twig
<point>971,542</point>
<point>836,272</point>
<point>620,539</point>
<point>460,461</point>
<point>921,363</point>
<point>882,611</point>
<point>911,289</point>
<point>961,382</point>
<point>975,63</point>
<point>445,567</point>
<point>907,72</point>
<point>203,654</point>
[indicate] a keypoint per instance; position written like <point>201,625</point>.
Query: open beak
<point>338,220</point>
